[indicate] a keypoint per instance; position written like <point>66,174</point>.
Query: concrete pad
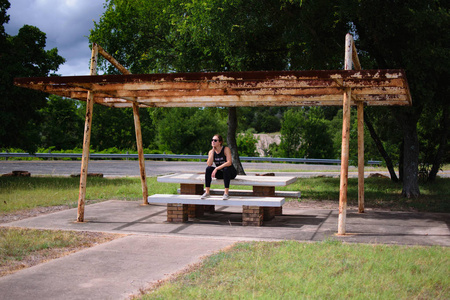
<point>153,248</point>
<point>131,217</point>
<point>114,270</point>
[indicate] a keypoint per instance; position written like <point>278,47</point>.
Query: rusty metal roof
<point>261,88</point>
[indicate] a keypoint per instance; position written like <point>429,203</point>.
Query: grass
<point>324,270</point>
<point>261,270</point>
<point>20,247</point>
<point>19,193</point>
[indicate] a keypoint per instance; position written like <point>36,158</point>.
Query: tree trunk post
<point>345,140</point>
<point>231,139</point>
<point>411,156</point>
<point>360,114</point>
<point>87,139</point>
<point>140,148</point>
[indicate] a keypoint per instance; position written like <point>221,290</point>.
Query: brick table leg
<point>269,213</point>
<point>278,211</point>
<point>194,211</point>
<point>252,215</point>
<point>264,191</point>
<point>268,191</point>
<point>177,213</point>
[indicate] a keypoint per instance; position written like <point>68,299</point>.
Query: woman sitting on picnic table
<point>221,156</point>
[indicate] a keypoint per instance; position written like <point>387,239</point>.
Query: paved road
<point>156,168</point>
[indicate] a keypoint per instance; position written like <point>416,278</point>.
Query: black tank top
<point>220,158</point>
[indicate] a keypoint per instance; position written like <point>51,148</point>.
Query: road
<point>120,168</point>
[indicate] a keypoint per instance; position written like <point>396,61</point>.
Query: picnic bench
<point>260,204</point>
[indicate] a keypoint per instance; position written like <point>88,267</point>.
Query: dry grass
<point>23,248</point>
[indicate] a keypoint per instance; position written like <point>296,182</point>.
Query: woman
<point>221,157</point>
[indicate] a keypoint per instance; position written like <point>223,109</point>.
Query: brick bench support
<point>177,213</point>
<point>252,215</point>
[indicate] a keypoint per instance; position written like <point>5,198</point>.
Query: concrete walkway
<point>153,249</point>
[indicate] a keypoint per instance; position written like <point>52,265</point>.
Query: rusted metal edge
<point>376,74</point>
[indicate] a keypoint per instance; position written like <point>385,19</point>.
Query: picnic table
<point>259,204</point>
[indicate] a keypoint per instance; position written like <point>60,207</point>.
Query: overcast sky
<point>66,23</point>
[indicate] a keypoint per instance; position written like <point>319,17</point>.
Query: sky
<point>67,24</point>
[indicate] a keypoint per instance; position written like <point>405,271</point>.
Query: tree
<point>23,55</point>
<point>188,130</point>
<point>62,125</point>
<point>411,35</point>
<point>234,35</point>
<point>304,133</point>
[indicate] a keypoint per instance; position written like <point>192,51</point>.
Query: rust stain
<point>260,88</point>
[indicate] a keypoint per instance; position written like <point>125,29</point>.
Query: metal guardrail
<point>176,156</point>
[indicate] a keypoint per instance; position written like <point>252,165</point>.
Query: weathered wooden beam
<point>360,116</point>
<point>112,60</point>
<point>140,148</point>
<point>345,141</point>
<point>86,141</point>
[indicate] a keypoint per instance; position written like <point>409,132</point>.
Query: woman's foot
<point>226,197</point>
<point>205,195</point>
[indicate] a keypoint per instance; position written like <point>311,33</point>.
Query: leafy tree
<point>62,126</point>
<point>218,35</point>
<point>247,143</point>
<point>188,130</point>
<point>411,35</point>
<point>304,133</point>
<point>290,133</point>
<point>112,127</point>
<point>23,55</point>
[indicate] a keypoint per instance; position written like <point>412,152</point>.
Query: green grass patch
<point>325,270</point>
<point>378,193</point>
<point>16,243</point>
<point>18,193</point>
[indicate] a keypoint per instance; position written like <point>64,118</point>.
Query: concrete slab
<point>114,270</point>
<point>131,217</point>
<point>153,248</point>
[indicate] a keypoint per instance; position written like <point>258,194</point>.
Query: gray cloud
<point>66,24</point>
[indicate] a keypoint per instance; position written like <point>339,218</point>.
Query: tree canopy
<point>23,55</point>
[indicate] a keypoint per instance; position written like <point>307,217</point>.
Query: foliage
<point>23,55</point>
<point>370,150</point>
<point>189,130</point>
<point>304,133</point>
<point>409,35</point>
<point>62,126</point>
<point>247,143</point>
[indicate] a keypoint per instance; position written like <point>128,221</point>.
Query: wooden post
<point>345,140</point>
<point>344,162</point>
<point>360,107</point>
<point>87,139</point>
<point>140,148</point>
<point>137,125</point>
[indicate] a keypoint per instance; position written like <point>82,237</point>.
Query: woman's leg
<point>228,174</point>
<point>208,178</point>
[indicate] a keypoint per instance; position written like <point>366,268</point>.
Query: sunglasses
<point>214,140</point>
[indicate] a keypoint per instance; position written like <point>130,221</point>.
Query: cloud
<point>67,24</point>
